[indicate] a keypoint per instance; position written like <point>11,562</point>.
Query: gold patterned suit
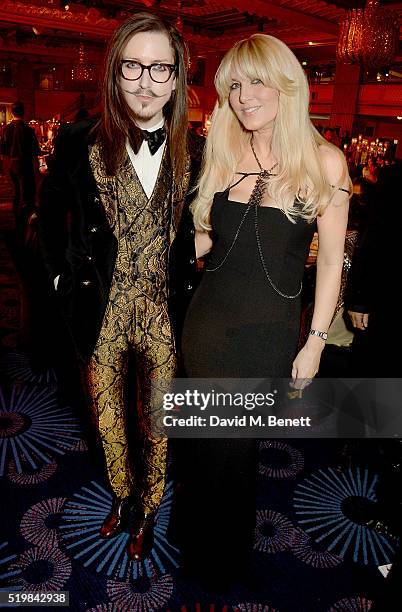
<point>136,323</point>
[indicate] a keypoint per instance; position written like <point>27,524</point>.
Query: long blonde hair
<point>295,141</point>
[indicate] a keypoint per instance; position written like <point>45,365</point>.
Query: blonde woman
<point>269,179</point>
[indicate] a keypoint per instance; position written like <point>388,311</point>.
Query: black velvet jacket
<point>79,245</point>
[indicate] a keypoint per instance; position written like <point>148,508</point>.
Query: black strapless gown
<point>237,326</point>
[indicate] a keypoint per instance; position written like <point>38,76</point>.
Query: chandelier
<point>368,36</point>
<point>82,71</point>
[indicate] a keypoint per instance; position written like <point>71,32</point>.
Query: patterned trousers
<point>140,328</point>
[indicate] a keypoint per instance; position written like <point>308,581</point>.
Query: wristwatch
<point>320,334</point>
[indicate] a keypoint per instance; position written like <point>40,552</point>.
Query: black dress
<point>237,326</point>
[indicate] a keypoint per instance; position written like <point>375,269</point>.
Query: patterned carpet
<point>311,555</point>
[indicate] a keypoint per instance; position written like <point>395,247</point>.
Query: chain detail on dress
<point>264,265</point>
<point>255,202</point>
<point>235,236</point>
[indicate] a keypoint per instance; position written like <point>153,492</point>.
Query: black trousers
<point>23,178</point>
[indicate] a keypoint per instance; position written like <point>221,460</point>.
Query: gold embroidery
<point>106,184</point>
<point>179,193</point>
<point>136,322</point>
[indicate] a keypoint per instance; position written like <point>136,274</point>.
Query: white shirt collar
<point>160,124</point>
<point>146,165</point>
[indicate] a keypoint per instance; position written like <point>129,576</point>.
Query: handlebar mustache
<point>140,92</point>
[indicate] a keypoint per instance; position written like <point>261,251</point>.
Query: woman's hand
<point>307,362</point>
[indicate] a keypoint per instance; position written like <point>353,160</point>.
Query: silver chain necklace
<point>255,202</point>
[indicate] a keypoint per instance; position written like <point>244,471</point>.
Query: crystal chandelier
<point>82,71</point>
<point>368,36</point>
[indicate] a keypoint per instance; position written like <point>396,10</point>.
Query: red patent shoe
<point>141,538</point>
<point>117,518</point>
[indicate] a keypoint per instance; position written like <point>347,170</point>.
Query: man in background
<point>21,146</point>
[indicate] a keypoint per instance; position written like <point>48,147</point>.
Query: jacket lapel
<point>106,185</point>
<point>178,197</point>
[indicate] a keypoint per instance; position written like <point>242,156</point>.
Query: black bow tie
<point>154,139</point>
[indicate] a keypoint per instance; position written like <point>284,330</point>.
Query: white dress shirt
<point>145,165</point>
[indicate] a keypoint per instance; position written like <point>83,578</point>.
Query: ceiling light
<point>368,36</point>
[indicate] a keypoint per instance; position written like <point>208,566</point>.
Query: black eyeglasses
<point>132,70</point>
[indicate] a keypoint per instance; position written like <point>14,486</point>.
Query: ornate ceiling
<point>47,28</point>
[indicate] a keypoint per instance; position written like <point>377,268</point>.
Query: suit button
<point>189,286</point>
<point>89,258</point>
<point>93,229</point>
<point>86,283</point>
<point>192,260</point>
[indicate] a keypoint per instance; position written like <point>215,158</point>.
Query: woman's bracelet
<point>320,334</point>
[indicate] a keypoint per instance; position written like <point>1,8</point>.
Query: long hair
<point>300,186</point>
<point>116,124</point>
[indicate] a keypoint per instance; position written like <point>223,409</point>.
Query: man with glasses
<point>120,189</point>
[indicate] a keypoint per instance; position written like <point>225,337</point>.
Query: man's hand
<point>359,319</point>
<point>32,218</point>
